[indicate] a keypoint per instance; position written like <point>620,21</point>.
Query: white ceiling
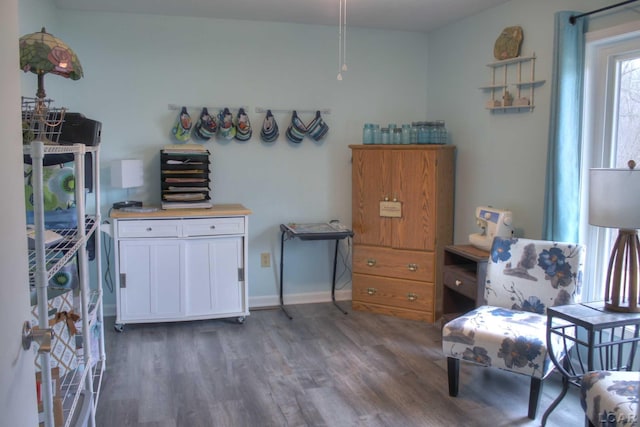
<point>405,15</point>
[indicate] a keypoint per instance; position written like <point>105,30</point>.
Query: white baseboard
<point>274,300</point>
<point>109,310</point>
<point>304,298</point>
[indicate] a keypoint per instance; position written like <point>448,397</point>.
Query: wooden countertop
<point>216,210</point>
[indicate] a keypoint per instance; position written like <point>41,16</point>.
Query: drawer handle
<point>458,282</point>
<point>412,297</point>
<point>213,227</point>
<point>371,291</point>
<point>371,262</point>
<point>149,229</point>
<point>412,267</point>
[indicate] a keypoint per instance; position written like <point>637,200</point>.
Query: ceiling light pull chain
<point>344,37</point>
<point>340,40</point>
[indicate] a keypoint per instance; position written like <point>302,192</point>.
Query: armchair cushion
<point>611,397</point>
<point>502,338</point>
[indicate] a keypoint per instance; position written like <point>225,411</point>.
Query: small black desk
<point>316,231</point>
<point>607,339</point>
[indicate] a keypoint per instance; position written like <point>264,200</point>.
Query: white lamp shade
<point>614,198</point>
<point>127,173</point>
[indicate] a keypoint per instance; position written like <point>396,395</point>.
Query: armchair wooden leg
<point>453,372</point>
<point>534,395</point>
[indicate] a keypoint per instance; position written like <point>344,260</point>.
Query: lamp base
<point>621,292</point>
<point>127,204</point>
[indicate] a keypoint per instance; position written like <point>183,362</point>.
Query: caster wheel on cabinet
<point>241,319</point>
<point>118,327</point>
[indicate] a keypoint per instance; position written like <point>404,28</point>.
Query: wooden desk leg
<point>333,285</point>
<point>281,274</point>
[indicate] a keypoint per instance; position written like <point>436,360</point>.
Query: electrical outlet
<point>265,259</point>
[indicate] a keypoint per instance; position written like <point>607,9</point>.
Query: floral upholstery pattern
<point>502,338</point>
<point>611,397</point>
<point>524,277</point>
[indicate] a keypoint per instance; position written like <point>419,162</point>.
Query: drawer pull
<point>213,227</point>
<point>412,267</point>
<point>458,282</point>
<point>371,262</point>
<point>149,229</point>
<point>371,291</point>
<point>412,297</point>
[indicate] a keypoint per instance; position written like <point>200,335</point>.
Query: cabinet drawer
<point>149,228</point>
<point>412,265</point>
<point>461,280</point>
<point>212,226</point>
<point>393,292</point>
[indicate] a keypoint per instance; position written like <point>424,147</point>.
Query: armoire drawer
<point>411,265</point>
<point>393,292</point>
<point>212,226</point>
<point>149,228</point>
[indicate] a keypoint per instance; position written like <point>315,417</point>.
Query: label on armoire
<point>391,209</point>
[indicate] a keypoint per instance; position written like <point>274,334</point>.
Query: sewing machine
<point>494,222</point>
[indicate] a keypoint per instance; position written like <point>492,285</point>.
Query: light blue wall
<point>135,65</point>
<point>501,156</point>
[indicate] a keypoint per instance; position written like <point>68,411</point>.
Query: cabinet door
<point>371,181</point>
<point>150,269</point>
<point>214,276</point>
<point>414,184</point>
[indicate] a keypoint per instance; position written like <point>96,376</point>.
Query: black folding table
<point>313,231</point>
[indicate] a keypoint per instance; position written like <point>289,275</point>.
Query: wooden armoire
<point>402,218</point>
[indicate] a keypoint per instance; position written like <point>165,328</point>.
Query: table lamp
<point>614,201</point>
<point>42,53</point>
<point>127,173</point>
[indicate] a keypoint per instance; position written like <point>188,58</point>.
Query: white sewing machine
<point>494,222</point>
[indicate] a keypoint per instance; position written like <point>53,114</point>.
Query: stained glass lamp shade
<point>42,53</point>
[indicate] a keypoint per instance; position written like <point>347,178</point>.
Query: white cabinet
<point>181,264</point>
<point>150,284</point>
<point>213,276</point>
<point>515,76</point>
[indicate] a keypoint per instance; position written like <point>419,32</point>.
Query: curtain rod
<point>574,18</point>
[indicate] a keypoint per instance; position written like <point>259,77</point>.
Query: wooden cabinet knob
<point>371,291</point>
<point>412,297</point>
<point>458,282</point>
<point>371,262</point>
<point>412,267</point>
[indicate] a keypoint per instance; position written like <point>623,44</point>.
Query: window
<point>611,131</point>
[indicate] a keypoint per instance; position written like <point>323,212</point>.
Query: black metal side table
<point>314,231</point>
<point>593,339</point>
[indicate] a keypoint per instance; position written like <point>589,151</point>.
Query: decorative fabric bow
<point>66,316</point>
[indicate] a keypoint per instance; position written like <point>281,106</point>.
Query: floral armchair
<point>523,278</point>
<point>610,398</point>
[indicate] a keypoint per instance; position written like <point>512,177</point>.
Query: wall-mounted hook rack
<point>211,107</point>
<point>276,110</point>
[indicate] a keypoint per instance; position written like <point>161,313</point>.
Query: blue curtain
<point>562,192</point>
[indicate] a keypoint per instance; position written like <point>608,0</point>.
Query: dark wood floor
<point>322,368</point>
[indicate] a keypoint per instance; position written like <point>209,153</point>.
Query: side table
<point>464,272</point>
<point>592,338</point>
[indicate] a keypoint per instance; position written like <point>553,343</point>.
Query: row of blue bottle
<point>415,133</point>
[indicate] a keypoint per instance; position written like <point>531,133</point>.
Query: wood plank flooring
<point>322,368</point>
